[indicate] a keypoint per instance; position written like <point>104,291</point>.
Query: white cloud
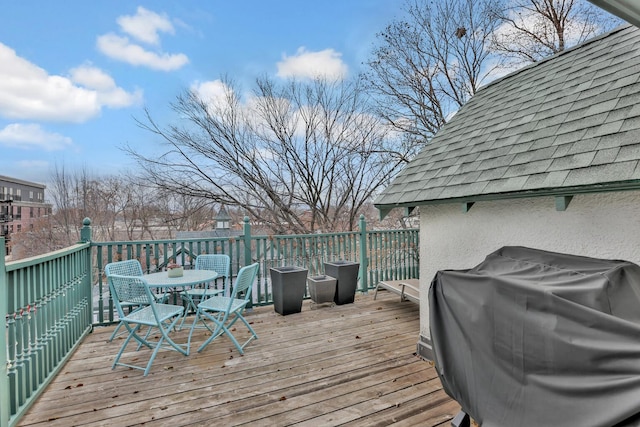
<point>495,69</point>
<point>32,137</point>
<point>322,64</point>
<point>109,93</point>
<point>92,77</point>
<point>214,92</point>
<point>145,25</point>
<point>121,49</point>
<point>28,92</point>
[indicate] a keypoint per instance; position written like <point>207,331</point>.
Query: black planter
<point>346,272</point>
<point>288,285</point>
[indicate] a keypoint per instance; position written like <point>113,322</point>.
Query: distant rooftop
<point>20,181</point>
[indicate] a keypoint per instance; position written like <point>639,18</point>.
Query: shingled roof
<point>567,125</point>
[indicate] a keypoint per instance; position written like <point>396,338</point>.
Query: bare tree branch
<point>427,66</point>
<point>299,157</point>
<point>535,29</point>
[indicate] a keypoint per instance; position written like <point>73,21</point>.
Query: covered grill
<point>536,338</point>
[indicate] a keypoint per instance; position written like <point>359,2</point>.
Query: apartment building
<point>21,204</point>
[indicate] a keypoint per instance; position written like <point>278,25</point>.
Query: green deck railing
<point>53,300</point>
<point>382,255</point>
<point>46,304</point>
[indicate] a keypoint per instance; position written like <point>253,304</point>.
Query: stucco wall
<point>599,225</point>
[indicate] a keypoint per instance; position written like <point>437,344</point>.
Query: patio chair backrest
<point>244,281</point>
<point>130,267</point>
<point>219,263</point>
<point>126,290</point>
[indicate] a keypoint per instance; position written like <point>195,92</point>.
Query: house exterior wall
<point>21,204</point>
<point>597,225</point>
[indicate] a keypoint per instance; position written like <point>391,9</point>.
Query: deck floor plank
<point>353,364</point>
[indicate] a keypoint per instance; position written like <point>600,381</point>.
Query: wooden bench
<point>408,289</point>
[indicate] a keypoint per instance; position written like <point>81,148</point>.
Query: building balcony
<point>353,362</point>
<point>10,197</point>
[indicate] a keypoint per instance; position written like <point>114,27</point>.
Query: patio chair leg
<point>164,337</point>
<point>189,305</point>
<point>115,332</point>
<point>251,338</point>
<point>132,334</point>
<point>172,343</point>
<point>200,315</point>
<point>225,329</point>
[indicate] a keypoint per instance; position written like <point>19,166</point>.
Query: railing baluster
<point>12,373</point>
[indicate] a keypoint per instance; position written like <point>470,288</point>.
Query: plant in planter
<point>174,270</point>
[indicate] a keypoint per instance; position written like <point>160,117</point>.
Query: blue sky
<point>74,74</point>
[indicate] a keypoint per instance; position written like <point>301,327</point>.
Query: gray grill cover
<point>535,338</point>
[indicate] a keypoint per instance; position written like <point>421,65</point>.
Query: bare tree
<point>73,194</point>
<point>77,195</point>
<point>427,65</point>
<point>178,212</point>
<point>535,29</point>
<point>298,157</point>
<point>40,238</point>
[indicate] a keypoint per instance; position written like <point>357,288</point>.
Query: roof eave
<point>543,192</point>
<point>629,10</point>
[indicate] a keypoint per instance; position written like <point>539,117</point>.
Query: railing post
<point>246,227</point>
<point>85,232</point>
<point>364,267</point>
<point>247,241</point>
<point>5,412</point>
<point>85,237</point>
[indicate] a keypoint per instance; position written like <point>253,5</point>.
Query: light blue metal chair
<point>130,267</point>
<point>152,314</point>
<point>219,263</point>
<point>224,311</point>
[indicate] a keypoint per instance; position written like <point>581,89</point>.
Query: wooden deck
<point>353,364</point>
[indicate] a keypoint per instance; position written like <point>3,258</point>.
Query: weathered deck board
<point>353,364</point>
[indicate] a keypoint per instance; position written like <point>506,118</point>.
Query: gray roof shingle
<point>568,123</point>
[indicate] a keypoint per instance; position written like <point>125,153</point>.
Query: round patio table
<point>161,279</point>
